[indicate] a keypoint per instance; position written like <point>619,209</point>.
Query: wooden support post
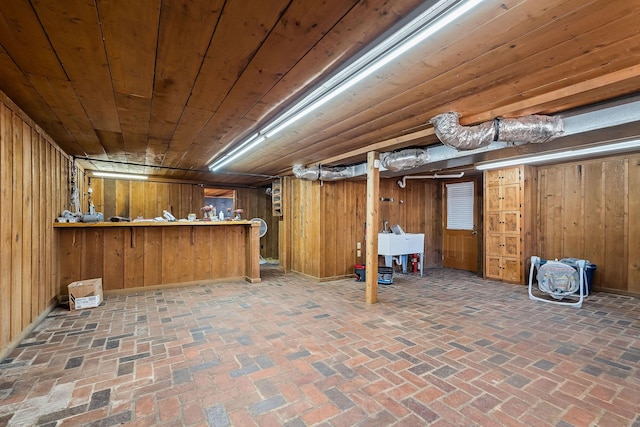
<point>373,191</point>
<point>284,227</point>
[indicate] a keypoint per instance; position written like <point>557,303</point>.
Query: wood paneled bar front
<point>135,255</point>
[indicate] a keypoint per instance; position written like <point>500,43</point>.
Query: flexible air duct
<point>324,173</point>
<point>406,159</point>
<point>335,174</point>
<point>534,129</point>
<point>310,174</point>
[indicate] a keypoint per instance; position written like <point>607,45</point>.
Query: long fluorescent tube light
<point>413,33</point>
<point>248,145</point>
<point>118,175</point>
<point>580,152</point>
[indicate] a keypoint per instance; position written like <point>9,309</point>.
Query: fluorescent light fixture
<point>237,152</point>
<point>413,33</point>
<point>556,155</point>
<point>118,175</point>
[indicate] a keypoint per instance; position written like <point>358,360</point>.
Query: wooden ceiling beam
<point>600,83</point>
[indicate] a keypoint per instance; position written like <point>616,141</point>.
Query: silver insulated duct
<point>314,173</point>
<point>406,159</point>
<point>394,161</point>
<point>533,129</point>
<point>310,174</point>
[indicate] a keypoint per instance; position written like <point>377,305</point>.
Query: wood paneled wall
<point>148,199</point>
<point>304,217</point>
<point>327,222</point>
<point>256,203</point>
<point>417,208</point>
<point>343,207</point>
<point>34,177</point>
<point>590,210</point>
<point>121,197</point>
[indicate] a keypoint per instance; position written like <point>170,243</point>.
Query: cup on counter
<point>191,217</point>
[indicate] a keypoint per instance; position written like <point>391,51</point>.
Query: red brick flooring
<point>447,349</point>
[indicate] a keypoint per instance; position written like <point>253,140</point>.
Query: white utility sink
<point>400,244</point>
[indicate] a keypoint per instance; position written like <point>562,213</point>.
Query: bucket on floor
<point>385,275</point>
<point>361,273</point>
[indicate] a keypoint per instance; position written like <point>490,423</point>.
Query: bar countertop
<point>134,255</point>
<point>152,224</point>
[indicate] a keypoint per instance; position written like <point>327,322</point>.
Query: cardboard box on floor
<point>85,294</point>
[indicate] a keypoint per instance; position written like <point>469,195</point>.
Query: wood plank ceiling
<point>171,83</point>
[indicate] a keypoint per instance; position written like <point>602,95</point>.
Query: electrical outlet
<point>359,253</point>
<point>358,245</point>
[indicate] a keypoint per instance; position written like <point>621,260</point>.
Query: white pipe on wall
<point>402,182</point>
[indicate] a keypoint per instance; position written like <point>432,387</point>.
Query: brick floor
<point>447,349</point>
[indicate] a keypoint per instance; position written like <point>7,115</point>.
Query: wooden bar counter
<point>130,255</point>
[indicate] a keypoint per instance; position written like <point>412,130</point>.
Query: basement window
<point>460,198</point>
